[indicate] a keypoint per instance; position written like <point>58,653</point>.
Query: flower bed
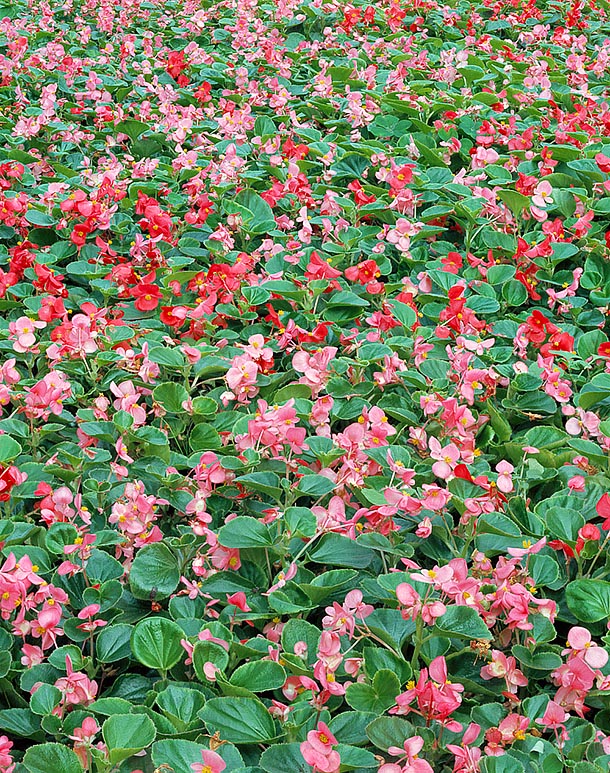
<point>305,388</point>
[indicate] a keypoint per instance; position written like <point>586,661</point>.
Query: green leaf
<point>315,485</point>
<point>204,406</point>
<point>337,550</point>
<point>348,299</point>
<point>262,219</point>
<point>384,732</point>
<point>259,676</point>
<point>389,625</point>
<point>589,600</point>
<point>48,757</point>
<point>265,482</point>
<point>588,343</point>
<point>514,293</point>
<point>349,727</point>
<point>516,202</point>
<point>170,396</point>
<point>602,206</point>
<point>177,753</point>
<point>377,658</point>
<point>155,572</point>
<point>164,355</point>
<point>503,764</point>
<point>596,391</point>
<point>180,704</point>
<point>297,630</point>
<point>540,661</point>
<point>20,722</point>
<point>376,697</point>
<point>208,652</point>
<point>204,437</point>
<point>256,295</point>
<point>564,523</point>
<point>38,218</point>
<point>329,584</point>
<point>404,314</point>
<point>301,521</point>
<point>155,642</point>
<point>353,758</point>
<point>132,128</point>
<point>500,273</point>
<point>462,622</point>
<point>284,757</point>
<point>113,643</point>
<point>245,532</point>
<point>126,735</point>
<point>107,707</point>
<point>45,699</point>
<point>9,449</point>
<point>239,720</point>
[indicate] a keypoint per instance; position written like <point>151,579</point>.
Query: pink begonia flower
<point>76,687</point>
<point>530,450</point>
<point>447,457</point>
<point>6,761</point>
<point>528,548</point>
<point>401,233</point>
<point>435,498</point>
<point>467,757</point>
<point>577,483</point>
<point>543,195</point>
<point>503,667</point>
<point>437,697</point>
<point>314,367</point>
<point>554,716</point>
<point>435,576</point>
<point>282,578</point>
<point>424,528</point>
<point>580,645</point>
<point>432,610</point>
<point>239,600</point>
<point>212,763</point>
<point>409,599</point>
<point>505,481</point>
<point>478,346</point>
<point>317,750</point>
<point>484,156</point>
<point>23,330</point>
<point>410,756</point>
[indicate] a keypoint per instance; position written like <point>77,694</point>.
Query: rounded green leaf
<point>244,532</point>
<point>589,600</point>
<point>45,699</point>
<point>239,720</point>
<point>376,697</point>
<point>155,642</point>
<point>259,676</point>
<point>384,732</point>
<point>170,396</point>
<point>208,652</point>
<point>463,622</point>
<point>114,643</point>
<point>9,448</point>
<point>127,734</point>
<point>155,573</point>
<point>48,757</point>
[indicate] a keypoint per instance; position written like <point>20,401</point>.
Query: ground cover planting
<point>304,386</point>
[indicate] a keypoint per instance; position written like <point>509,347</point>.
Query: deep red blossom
<point>147,294</point>
<point>9,477</point>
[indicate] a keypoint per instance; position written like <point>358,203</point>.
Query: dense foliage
<point>305,386</point>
